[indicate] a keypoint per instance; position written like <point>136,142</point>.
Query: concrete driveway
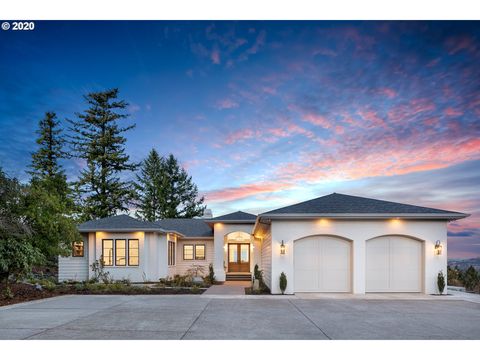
<point>199,317</point>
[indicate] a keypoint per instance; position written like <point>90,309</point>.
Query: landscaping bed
<point>261,291</point>
<point>27,292</point>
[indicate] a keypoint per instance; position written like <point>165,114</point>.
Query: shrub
<point>195,271</point>
<point>124,281</point>
<point>99,273</point>
<point>470,278</point>
<point>47,284</point>
<point>7,293</point>
<point>283,282</point>
<point>182,281</point>
<point>79,286</point>
<point>195,289</point>
<point>441,282</point>
<point>211,274</point>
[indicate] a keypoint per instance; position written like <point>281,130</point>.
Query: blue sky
<point>265,114</point>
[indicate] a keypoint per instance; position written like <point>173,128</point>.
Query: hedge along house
<point>334,243</point>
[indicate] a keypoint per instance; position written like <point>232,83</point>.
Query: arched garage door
<point>322,264</point>
<point>394,264</point>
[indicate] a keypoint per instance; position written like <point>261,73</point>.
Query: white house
<point>334,243</point>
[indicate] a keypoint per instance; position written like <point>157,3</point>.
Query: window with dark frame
<point>200,252</point>
<point>188,252</point>
<point>171,253</point>
<point>78,249</point>
<point>133,254</point>
<point>107,252</point>
<point>120,252</point>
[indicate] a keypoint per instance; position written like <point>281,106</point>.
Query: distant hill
<point>465,263</point>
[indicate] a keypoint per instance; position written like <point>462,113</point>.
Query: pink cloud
<point>433,121</point>
<point>388,92</point>
<point>226,104</point>
<point>317,120</point>
<point>269,90</point>
<point>247,190</point>
<point>324,52</point>
<point>240,135</point>
<point>456,44</point>
<point>372,118</point>
<point>215,56</point>
<point>339,129</point>
<point>452,112</point>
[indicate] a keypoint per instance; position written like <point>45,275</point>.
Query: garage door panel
<point>306,280</point>
<point>322,264</point>
<point>393,264</point>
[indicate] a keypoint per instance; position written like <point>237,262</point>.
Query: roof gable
<point>119,222</point>
<point>347,204</point>
<point>238,216</point>
<point>187,227</point>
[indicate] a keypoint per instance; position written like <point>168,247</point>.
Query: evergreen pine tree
<point>179,195</point>
<point>48,206</point>
<point>149,187</point>
<point>165,190</point>
<point>98,139</point>
<point>45,167</point>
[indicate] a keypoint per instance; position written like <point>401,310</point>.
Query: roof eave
<point>124,230</point>
<point>198,237</point>
<point>288,216</point>
<point>231,221</point>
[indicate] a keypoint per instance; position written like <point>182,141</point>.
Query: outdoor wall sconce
<point>438,248</point>
<point>282,248</point>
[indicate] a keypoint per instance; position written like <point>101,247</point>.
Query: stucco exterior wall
<point>358,231</point>
<point>183,265</point>
<point>152,256</point>
<point>220,230</point>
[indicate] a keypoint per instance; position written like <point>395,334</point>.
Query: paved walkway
<point>273,317</point>
<point>228,288</point>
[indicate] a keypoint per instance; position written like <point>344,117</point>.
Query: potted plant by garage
<point>283,282</point>
<point>257,277</point>
<point>440,282</point>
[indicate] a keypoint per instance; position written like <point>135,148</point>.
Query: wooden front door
<point>238,257</point>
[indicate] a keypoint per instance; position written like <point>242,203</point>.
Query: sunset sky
<point>266,114</point>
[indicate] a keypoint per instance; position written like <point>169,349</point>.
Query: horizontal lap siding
<point>182,266</point>
<point>74,268</point>
<point>267,259</point>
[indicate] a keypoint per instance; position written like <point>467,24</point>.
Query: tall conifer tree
<point>165,190</point>
<point>99,140</point>
<point>49,207</point>
<point>149,188</point>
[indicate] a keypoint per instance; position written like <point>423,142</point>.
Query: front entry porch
<point>239,276</point>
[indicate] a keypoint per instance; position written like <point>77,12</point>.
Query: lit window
<point>120,252</point>
<point>199,252</point>
<point>132,252</point>
<point>171,253</point>
<point>187,252</point>
<point>78,250</point>
<point>107,252</point>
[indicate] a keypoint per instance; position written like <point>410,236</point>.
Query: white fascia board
<point>157,230</point>
<point>445,216</point>
<point>197,237</point>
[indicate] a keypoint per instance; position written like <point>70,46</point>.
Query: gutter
<point>293,216</point>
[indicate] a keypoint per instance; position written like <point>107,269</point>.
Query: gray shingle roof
<point>237,216</point>
<point>119,222</point>
<point>187,227</point>
<point>347,204</point>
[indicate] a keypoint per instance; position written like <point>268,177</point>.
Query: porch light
<point>282,248</point>
<point>438,248</point>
